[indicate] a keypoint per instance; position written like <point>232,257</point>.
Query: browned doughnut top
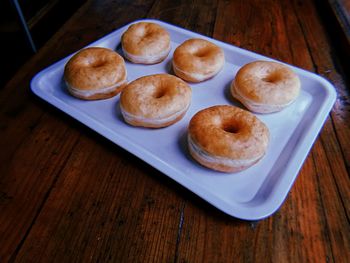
<point>95,68</point>
<point>155,97</point>
<point>266,82</point>
<point>198,59</point>
<point>145,41</point>
<point>229,132</point>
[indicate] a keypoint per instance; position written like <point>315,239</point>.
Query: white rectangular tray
<point>251,194</point>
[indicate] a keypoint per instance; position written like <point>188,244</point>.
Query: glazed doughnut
<point>95,73</point>
<point>196,60</point>
<point>226,138</point>
<point>155,101</point>
<point>145,43</point>
<point>265,87</point>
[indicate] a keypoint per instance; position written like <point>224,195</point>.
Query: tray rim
<point>247,212</point>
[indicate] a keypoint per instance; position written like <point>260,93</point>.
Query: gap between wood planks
<point>209,32</point>
<point>56,177</point>
<point>330,115</point>
<point>46,196</point>
<point>179,233</point>
<point>333,129</point>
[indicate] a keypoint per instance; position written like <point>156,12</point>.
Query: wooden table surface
<point>69,195</point>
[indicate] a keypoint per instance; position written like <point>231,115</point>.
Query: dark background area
<point>43,17</point>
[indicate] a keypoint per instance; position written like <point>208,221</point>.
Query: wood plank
<point>106,206</point>
<point>283,237</point>
<point>340,9</point>
<point>146,224</point>
<point>336,136</point>
<point>27,176</point>
<point>288,236</point>
<point>334,213</point>
<point>199,15</point>
<point>24,128</point>
<point>331,153</point>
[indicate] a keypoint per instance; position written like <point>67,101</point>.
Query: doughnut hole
<point>272,77</point>
<point>98,64</point>
<point>202,52</point>
<point>92,62</point>
<point>159,93</point>
<point>147,34</point>
<point>230,126</point>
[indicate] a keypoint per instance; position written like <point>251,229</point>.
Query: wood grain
<point>69,195</point>
<point>299,223</point>
<point>116,206</point>
<point>25,187</point>
<point>337,142</point>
